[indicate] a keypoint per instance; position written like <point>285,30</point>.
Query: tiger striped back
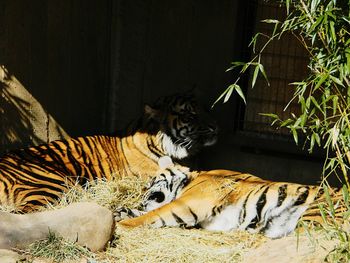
<point>34,176</point>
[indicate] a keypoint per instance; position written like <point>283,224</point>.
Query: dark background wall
<point>92,65</point>
<point>162,47</point>
<point>59,50</point>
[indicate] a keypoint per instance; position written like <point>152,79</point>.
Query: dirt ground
<point>294,249</point>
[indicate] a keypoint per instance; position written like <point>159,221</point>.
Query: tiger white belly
<point>226,220</point>
<point>274,226</point>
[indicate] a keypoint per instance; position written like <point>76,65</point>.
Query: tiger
<point>224,200</point>
<point>173,126</point>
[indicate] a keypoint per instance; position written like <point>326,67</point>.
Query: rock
<point>86,223</point>
<point>9,256</point>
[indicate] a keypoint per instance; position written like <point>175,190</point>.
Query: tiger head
<point>185,127</point>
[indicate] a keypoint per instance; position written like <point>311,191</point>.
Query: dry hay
<point>7,208</point>
<point>178,245</point>
<point>124,191</point>
<point>146,244</point>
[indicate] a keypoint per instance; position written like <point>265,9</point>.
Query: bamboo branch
<point>306,10</point>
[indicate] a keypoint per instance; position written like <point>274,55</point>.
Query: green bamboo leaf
<point>317,123</point>
<point>297,83</point>
<point>315,25</point>
<point>287,6</point>
<point>325,18</point>
<point>328,141</point>
<point>253,41</point>
<point>303,119</point>
<point>230,68</point>
<point>235,65</point>
<point>255,75</point>
<point>286,122</point>
<point>336,80</point>
<point>314,4</point>
<point>330,14</point>
<point>323,212</point>
<point>313,38</point>
<point>270,21</point>
<point>238,63</point>
<point>229,92</point>
<point>295,134</point>
<point>274,122</point>
<point>308,102</point>
<point>302,104</point>
<point>331,24</point>
<point>316,103</point>
<point>329,201</point>
<point>275,27</point>
<point>330,164</point>
<point>245,66</point>
<point>297,122</point>
<point>312,143</point>
<point>220,97</point>
<point>318,139</point>
<point>262,70</point>
<point>240,92</point>
<point>346,196</point>
<point>335,104</point>
<point>334,135</point>
<point>271,115</point>
<point>321,80</point>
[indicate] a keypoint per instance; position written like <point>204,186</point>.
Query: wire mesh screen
<point>285,61</point>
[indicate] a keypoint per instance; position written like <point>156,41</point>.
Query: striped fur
<point>226,200</point>
<point>32,177</point>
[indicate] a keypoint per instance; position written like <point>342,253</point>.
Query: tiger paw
<point>125,213</point>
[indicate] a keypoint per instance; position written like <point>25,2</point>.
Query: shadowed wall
<point>89,66</point>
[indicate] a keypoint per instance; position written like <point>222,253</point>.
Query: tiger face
<point>186,127</point>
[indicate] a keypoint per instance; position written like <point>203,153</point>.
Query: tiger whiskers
<point>184,142</point>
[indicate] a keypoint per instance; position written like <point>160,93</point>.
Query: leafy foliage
<point>323,28</point>
<point>333,226</point>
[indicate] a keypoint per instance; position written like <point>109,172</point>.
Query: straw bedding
<point>145,244</point>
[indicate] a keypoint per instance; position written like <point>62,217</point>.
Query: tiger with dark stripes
<point>173,126</point>
<point>226,200</point>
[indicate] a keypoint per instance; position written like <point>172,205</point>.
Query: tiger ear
<point>150,112</point>
<point>165,162</point>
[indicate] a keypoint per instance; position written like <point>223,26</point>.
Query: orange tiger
<point>174,126</point>
<point>225,200</point>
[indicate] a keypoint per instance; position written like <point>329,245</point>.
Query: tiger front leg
<point>122,213</point>
<point>177,213</point>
